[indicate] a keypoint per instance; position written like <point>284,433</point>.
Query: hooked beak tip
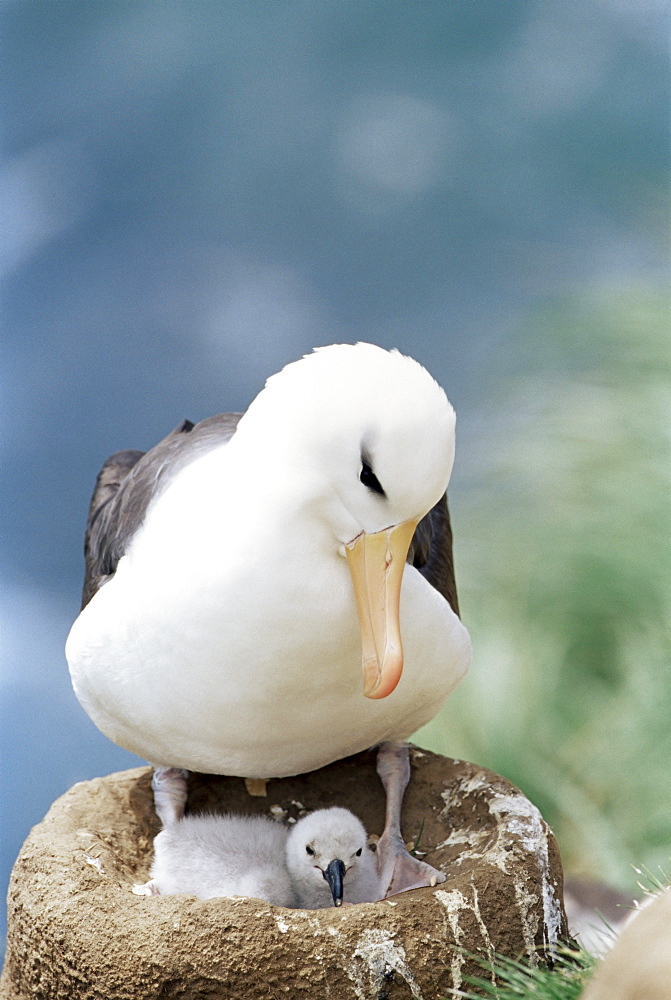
<point>380,679</point>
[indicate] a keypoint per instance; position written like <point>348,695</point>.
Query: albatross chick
<point>323,861</point>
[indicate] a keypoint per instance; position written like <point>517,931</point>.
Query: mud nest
<point>77,930</point>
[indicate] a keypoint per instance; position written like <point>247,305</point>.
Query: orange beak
<point>376,562</point>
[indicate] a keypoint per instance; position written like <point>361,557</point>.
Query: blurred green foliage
<point>507,979</point>
<point>563,526</point>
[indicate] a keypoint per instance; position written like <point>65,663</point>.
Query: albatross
<point>322,861</point>
<point>267,593</point>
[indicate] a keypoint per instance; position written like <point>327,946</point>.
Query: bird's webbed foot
<point>399,871</point>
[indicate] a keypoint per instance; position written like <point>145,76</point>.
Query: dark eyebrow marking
<point>368,477</point>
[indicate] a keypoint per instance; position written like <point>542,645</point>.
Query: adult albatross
<point>244,573</point>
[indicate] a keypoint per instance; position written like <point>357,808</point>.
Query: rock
<point>639,965</point>
<point>77,930</point>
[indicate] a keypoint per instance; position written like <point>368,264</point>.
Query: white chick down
<point>208,856</point>
<point>315,844</point>
<point>323,861</point>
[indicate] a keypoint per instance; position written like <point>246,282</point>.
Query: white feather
<point>208,856</point>
<point>227,641</point>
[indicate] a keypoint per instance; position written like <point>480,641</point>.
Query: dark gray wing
<point>431,552</point>
<point>127,483</point>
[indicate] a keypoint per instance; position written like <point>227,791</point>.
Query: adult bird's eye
<point>358,853</point>
<point>369,479</point>
<point>309,850</point>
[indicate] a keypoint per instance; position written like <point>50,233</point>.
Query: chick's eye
<point>369,479</point>
<point>358,853</point>
<point>309,850</point>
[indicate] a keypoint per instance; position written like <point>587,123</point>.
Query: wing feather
<point>126,485</point>
<point>431,552</point>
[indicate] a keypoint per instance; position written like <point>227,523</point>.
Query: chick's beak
<point>335,876</point>
<point>376,563</point>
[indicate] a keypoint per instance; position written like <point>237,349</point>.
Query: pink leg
<point>398,870</point>
<point>169,787</point>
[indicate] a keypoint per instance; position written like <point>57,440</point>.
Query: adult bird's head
<point>369,437</point>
